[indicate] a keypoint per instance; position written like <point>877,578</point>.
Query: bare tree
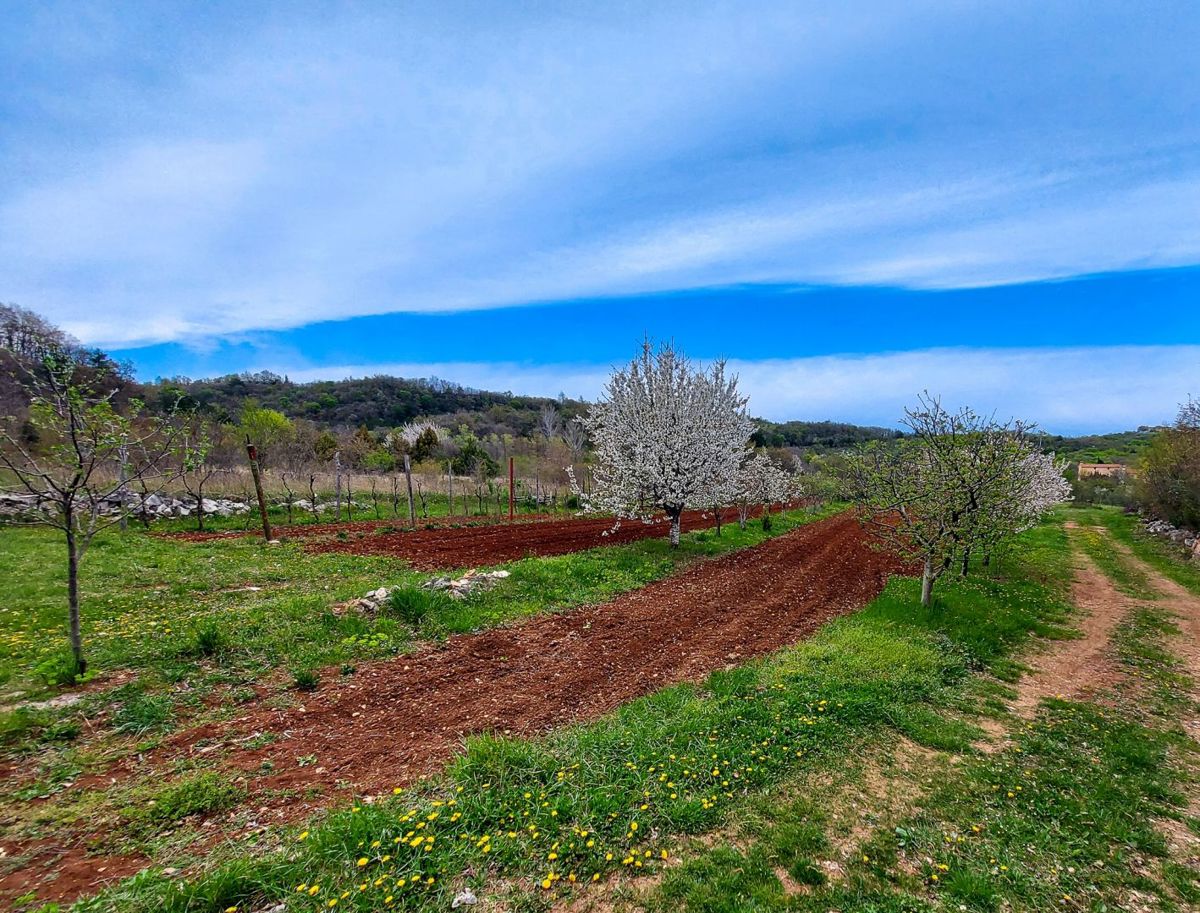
<point>549,425</point>
<point>69,473</point>
<point>574,435</point>
<point>289,494</point>
<point>198,470</point>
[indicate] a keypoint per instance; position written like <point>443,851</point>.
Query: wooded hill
<point>385,402</point>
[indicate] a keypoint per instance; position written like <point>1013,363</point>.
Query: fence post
<point>412,510</point>
<point>252,453</point>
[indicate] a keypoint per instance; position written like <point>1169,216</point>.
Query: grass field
<point>734,794</point>
<point>146,598</point>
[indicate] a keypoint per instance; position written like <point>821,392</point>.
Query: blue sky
<point>852,202</point>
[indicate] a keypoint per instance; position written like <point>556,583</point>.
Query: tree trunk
<point>966,562</point>
<point>412,507</point>
<point>200,509</point>
<point>124,477</point>
<point>675,513</point>
<point>73,598</point>
<point>987,559</point>
<point>718,521</point>
<point>927,579</point>
<point>450,509</point>
<point>312,493</point>
<point>252,453</point>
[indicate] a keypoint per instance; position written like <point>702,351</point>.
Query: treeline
<point>1125,447</point>
<point>382,401</point>
<point>373,402</point>
<point>1168,482</point>
<point>818,435</point>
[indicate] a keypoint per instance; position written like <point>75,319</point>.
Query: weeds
<point>413,604</point>
<point>142,713</point>
<point>306,680</point>
<point>209,639</point>
<point>202,794</point>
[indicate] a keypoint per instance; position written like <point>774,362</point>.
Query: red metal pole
<point>511,494</point>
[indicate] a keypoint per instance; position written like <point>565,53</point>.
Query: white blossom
<point>760,480</point>
<point>666,437</point>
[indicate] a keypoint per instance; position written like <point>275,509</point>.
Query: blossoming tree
<point>760,480</point>
<point>665,435</point>
<point>958,484</point>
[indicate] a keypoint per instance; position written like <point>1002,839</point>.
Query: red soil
<point>313,530</point>
<point>432,549</point>
<point>395,720</point>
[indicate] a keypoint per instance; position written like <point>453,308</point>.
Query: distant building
<point>1103,469</point>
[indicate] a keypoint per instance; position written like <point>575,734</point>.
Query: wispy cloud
<point>235,171</point>
<point>1069,390</point>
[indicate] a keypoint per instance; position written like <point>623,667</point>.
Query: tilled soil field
<point>349,527</point>
<point>433,549</point>
<point>397,719</point>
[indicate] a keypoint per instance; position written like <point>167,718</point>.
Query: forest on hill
<point>382,401</point>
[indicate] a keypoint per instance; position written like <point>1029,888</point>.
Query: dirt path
<point>1177,599</point>
<point>1079,667</point>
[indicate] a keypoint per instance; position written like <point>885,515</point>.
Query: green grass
<point>1164,557</point>
<point>201,644</point>
<point>613,796</point>
<point>164,606</point>
<point>1063,818</point>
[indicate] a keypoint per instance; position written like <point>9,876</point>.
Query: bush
<point>766,522</point>
<point>413,604</point>
<point>306,679</point>
<point>209,639</point>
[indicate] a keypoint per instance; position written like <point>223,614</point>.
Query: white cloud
<point>1065,390</point>
<point>419,158</point>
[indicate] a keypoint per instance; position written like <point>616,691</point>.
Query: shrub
<point>413,604</point>
<point>766,522</point>
<point>306,679</point>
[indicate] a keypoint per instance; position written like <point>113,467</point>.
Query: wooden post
<point>450,510</point>
<point>252,453</point>
<point>337,485</point>
<point>412,508</point>
<point>512,501</point>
